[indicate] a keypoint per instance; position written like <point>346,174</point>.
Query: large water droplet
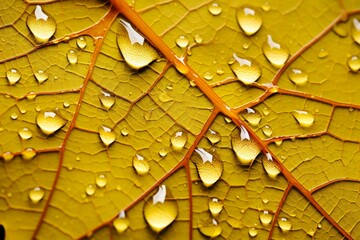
<point>284,224</point>
<point>72,57</point>
<point>215,9</point>
<point>41,76</point>
<point>28,154</point>
<point>210,228</point>
<point>270,167</point>
<point>209,166</point>
<point>160,211</point>
<point>355,32</point>
<point>275,52</point>
<point>36,194</point>
<point>253,232</point>
<point>107,135</point>
<point>49,122</point>
<point>179,139</point>
<point>182,41</point>
<point>265,217</point>
<point>245,148</point>
<point>101,181</point>
<point>215,206</point>
<point>249,20</point>
<point>107,100</point>
<point>13,76</point>
<point>245,69</point>
<point>41,25</point>
<point>7,156</point>
<point>354,63</point>
<point>213,136</point>
<point>90,189</point>
<point>141,165</point>
<point>267,131</point>
<point>298,77</point>
<point>121,223</point>
<point>304,118</point>
<point>252,116</point>
<point>136,51</point>
<point>25,133</point>
<point>81,42</point>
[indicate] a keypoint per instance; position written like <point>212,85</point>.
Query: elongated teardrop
<point>107,135</point>
<point>276,53</point>
<point>270,167</point>
<point>252,116</point>
<point>13,76</point>
<point>41,25</point>
<point>49,122</point>
<point>245,148</point>
<point>179,139</point>
<point>215,206</point>
<point>210,228</point>
<point>304,118</point>
<point>141,165</point>
<point>121,223</point>
<point>245,69</point>
<point>249,20</point>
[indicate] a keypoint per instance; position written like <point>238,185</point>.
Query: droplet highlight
<point>36,195</point>
<point>101,181</point>
<point>245,69</point>
<point>269,165</point>
<point>121,223</point>
<point>249,20</point>
<point>178,139</point>
<point>49,122</point>
<point>41,25</point>
<point>213,136</point>
<point>245,148</point>
<point>182,41</point>
<point>298,77</point>
<point>215,9</point>
<point>354,63</point>
<point>107,135</point>
<point>141,165</point>
<point>81,42</point>
<point>276,53</point>
<point>215,206</point>
<point>25,133</point>
<point>304,118</point>
<point>106,99</point>
<point>13,76</point>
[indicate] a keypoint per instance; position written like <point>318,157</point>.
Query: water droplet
<point>192,83</point>
<point>160,210</point>
<point>121,223</point>
<point>252,116</point>
<point>72,57</point>
<point>220,71</point>
<point>136,51</point>
<point>275,53</point>
<point>66,104</point>
<point>249,20</point>
<point>304,118</point>
<point>14,116</point>
<point>270,167</point>
<point>182,41</point>
<point>210,228</point>
<point>208,165</point>
<point>31,95</point>
<point>212,136</point>
<point>7,156</point>
<point>49,122</point>
<point>215,206</point>
<point>265,111</point>
<point>81,42</point>
<point>163,152</point>
<point>90,189</point>
<point>284,224</point>
<point>246,45</point>
<point>215,9</point>
<point>107,100</point>
<point>179,139</point>
<point>25,133</point>
<point>267,130</point>
<point>41,25</point>
<point>245,148</point>
<point>322,53</point>
<point>266,6</point>
<point>124,131</point>
<point>41,76</point>
<point>340,31</point>
<point>245,69</point>
<point>319,226</point>
<point>28,154</point>
<point>265,200</point>
<point>208,76</point>
<point>354,63</point>
<point>13,76</point>
<point>169,86</point>
<point>107,135</point>
<point>265,217</point>
<point>298,77</point>
<point>36,194</point>
<point>253,232</point>
<point>278,143</point>
<point>141,165</point>
<point>227,119</point>
<point>101,181</point>
<point>164,97</point>
<point>198,38</point>
<point>355,32</point>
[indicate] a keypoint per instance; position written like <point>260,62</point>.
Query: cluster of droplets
<point>100,182</point>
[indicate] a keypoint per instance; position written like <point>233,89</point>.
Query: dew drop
<point>270,167</point>
<point>253,232</point>
<point>251,116</point>
<point>13,76</point>
<point>215,206</point>
<point>265,217</point>
<point>25,133</point>
<point>266,7</point>
<point>7,156</point>
<point>81,42</point>
<point>31,95</point>
<point>220,71</point>
<point>140,164</point>
<point>66,104</point>
<point>249,20</point>
<point>121,223</point>
<point>278,143</point>
<point>28,154</point>
<point>208,76</point>
<point>36,194</point>
<point>179,139</point>
<point>90,189</point>
<point>340,31</point>
<point>182,41</point>
<point>355,32</point>
<point>210,228</point>
<point>284,224</point>
<point>213,136</point>
<point>323,53</point>
<point>267,131</point>
<point>49,122</point>
<point>107,135</point>
<point>215,9</point>
<point>246,149</point>
<point>164,97</point>
<point>319,226</point>
<point>41,76</point>
<point>245,69</point>
<point>265,111</point>
<point>227,119</point>
<point>192,83</point>
<point>41,25</point>
<point>208,165</point>
<point>14,116</point>
<point>169,86</point>
<point>304,118</point>
<point>101,181</point>
<point>298,77</point>
<point>163,152</point>
<point>198,38</point>
<point>136,51</point>
<point>354,63</point>
<point>160,210</point>
<point>107,100</point>
<point>72,57</point>
<point>275,53</point>
<point>124,131</point>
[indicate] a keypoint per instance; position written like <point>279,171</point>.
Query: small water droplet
<point>41,25</point>
<point>107,135</point>
<point>121,223</point>
<point>210,228</point>
<point>36,194</point>
<point>253,232</point>
<point>208,165</point>
<point>101,181</point>
<point>251,116</point>
<point>78,158</point>
<point>107,100</point>
<point>72,57</point>
<point>245,148</point>
<point>227,119</point>
<point>90,189</point>
<point>215,206</point>
<point>124,131</point>
<point>267,131</point>
<point>198,38</point>
<point>7,156</point>
<point>275,52</point>
<point>208,76</point>
<point>355,32</point>
<point>322,53</point>
<point>14,116</point>
<point>66,104</point>
<point>304,118</point>
<point>81,42</point>
<point>265,217</point>
<point>266,6</point>
<point>265,200</point>
<point>182,41</point>
<point>340,31</point>
<point>147,115</point>
<point>246,45</point>
<point>163,152</point>
<point>245,69</point>
<point>213,136</point>
<point>25,133</point>
<point>28,154</point>
<point>278,143</point>
<point>169,86</point>
<point>179,139</point>
<point>354,63</point>
<point>220,71</point>
<point>249,20</point>
<point>284,224</point>
<point>270,167</point>
<point>160,210</point>
<point>49,122</point>
<point>215,9</point>
<point>319,226</point>
<point>31,95</point>
<point>192,83</point>
<point>165,97</point>
<point>265,111</point>
<point>298,77</point>
<point>13,76</point>
<point>41,76</point>
<point>140,164</point>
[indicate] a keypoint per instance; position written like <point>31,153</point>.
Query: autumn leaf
<point>179,119</point>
